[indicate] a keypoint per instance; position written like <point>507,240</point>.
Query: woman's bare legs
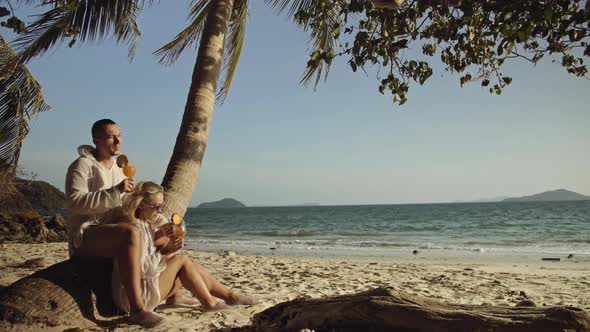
<point>217,289</point>
<point>199,282</point>
<point>176,297</point>
<point>121,241</point>
<point>181,267</point>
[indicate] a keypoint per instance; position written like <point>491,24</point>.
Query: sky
<point>276,142</point>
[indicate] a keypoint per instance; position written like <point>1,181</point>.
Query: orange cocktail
<point>123,162</point>
<point>179,229</point>
<point>129,170</point>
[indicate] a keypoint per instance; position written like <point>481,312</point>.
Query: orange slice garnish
<point>176,220</point>
<point>122,160</point>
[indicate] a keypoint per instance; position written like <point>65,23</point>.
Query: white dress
<point>151,267</point>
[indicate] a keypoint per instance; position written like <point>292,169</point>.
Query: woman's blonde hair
<point>144,192</point>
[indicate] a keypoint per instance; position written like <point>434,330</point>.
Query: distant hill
<point>33,197</point>
<point>44,197</point>
<point>552,195</point>
<point>30,212</point>
<point>224,203</point>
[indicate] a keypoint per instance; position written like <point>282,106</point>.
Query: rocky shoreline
<point>32,212</point>
<point>26,228</point>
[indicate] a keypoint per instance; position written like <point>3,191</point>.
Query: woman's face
<point>149,210</point>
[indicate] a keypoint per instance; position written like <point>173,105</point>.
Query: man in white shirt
<point>94,184</point>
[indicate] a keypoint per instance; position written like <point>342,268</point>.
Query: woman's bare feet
<point>219,305</point>
<point>146,318</point>
<point>238,299</point>
<point>180,299</point>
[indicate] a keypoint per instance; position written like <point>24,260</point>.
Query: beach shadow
<point>95,272</point>
<point>38,297</point>
<point>178,306</point>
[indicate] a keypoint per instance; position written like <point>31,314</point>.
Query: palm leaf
<point>21,98</point>
<point>234,42</point>
<point>188,37</point>
<point>294,5</point>
<point>85,20</point>
<point>322,39</point>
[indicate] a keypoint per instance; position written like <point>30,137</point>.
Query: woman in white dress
<point>159,273</point>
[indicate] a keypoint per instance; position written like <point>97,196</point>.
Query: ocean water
<point>382,230</point>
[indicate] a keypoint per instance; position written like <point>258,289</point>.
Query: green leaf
<point>575,35</point>
<point>4,11</point>
<point>15,24</point>
<point>548,13</point>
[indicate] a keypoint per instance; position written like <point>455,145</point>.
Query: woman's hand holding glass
<point>167,229</point>
<point>176,243</point>
<point>179,230</point>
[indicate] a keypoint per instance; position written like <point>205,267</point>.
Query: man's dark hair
<point>99,125</point>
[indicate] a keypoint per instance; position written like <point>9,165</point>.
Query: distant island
<point>484,200</point>
<point>491,199</point>
<point>223,203</point>
<point>552,195</point>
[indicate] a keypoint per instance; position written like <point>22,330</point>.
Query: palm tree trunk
<point>183,169</point>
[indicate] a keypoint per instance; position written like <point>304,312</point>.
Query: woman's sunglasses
<point>155,207</point>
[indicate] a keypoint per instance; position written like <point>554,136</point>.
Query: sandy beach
<point>474,279</point>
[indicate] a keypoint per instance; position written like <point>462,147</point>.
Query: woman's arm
<point>160,239</point>
<point>167,244</point>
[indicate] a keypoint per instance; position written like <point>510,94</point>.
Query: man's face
<point>109,141</point>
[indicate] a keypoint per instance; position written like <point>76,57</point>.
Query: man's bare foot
<point>238,299</point>
<point>146,318</point>
<point>219,305</point>
<point>180,299</point>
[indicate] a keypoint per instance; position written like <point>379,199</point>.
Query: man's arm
<point>80,199</point>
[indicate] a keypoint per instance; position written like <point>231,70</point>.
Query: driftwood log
<point>73,290</point>
<point>389,310</point>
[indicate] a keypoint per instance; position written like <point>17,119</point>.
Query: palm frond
<point>44,33</point>
<point>234,42</point>
<point>84,20</point>
<point>188,37</point>
<point>21,98</point>
<point>127,31</point>
<point>294,5</point>
<point>322,39</point>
